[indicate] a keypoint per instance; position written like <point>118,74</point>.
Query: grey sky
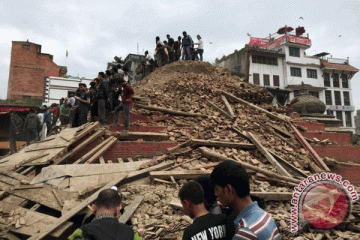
<point>95,31</point>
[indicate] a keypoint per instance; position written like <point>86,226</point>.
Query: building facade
<point>28,69</point>
<point>281,65</point>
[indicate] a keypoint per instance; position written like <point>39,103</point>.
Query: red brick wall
<point>340,153</point>
<point>312,126</point>
<point>28,68</point>
<point>335,138</point>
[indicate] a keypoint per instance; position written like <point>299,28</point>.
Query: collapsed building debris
<point>189,116</point>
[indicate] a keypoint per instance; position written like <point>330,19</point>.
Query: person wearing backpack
<point>30,127</point>
<point>15,127</point>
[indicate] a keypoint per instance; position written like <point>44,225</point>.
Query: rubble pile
<point>209,115</point>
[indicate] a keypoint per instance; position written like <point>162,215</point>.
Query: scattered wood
<point>220,110</point>
<point>89,128</point>
<point>129,211</point>
<point>173,112</point>
<point>134,136</point>
<point>228,106</point>
<point>200,142</point>
<point>33,159</point>
<point>190,174</point>
<point>162,181</point>
<point>46,148</point>
<point>288,165</point>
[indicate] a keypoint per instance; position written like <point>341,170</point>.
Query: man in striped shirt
<point>232,188</point>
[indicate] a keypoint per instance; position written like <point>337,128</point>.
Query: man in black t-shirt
<point>205,225</point>
<point>84,104</point>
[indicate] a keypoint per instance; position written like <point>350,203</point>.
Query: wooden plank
<point>130,160</point>
<point>162,181</point>
<point>101,151</point>
<point>133,136</point>
<point>240,133</point>
<point>307,146</point>
<point>208,153</point>
<point>288,165</point>
<point>120,160</point>
<point>189,174</point>
<point>86,131</point>
<point>82,183</point>
<point>274,196</point>
<point>15,175</point>
<point>58,199</point>
<point>75,210</point>
<point>101,160</point>
<point>220,110</point>
<point>228,106</point>
<point>33,159</point>
<point>81,146</point>
<point>280,130</point>
<point>47,148</point>
<point>272,115</point>
<point>268,156</point>
<point>200,142</point>
<point>129,211</point>
<point>172,112</point>
<point>92,152</point>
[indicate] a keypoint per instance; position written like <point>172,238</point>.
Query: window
<point>315,94</point>
<point>26,46</point>
<point>337,97</point>
<point>326,79</point>
<point>328,97</point>
<point>294,52</point>
<point>295,72</point>
<point>336,82</point>
<point>266,80</point>
<point>265,60</point>
<point>276,80</point>
<point>311,73</point>
<point>346,98</point>
<point>344,80</point>
<point>339,116</point>
<point>26,97</point>
<point>348,121</point>
<point>256,78</point>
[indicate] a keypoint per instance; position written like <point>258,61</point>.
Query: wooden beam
<point>263,177</point>
<point>162,181</point>
<point>133,136</point>
<point>189,174</point>
<point>220,110</point>
<point>240,133</point>
<point>47,148</point>
<point>200,142</point>
<point>172,112</point>
<point>228,106</point>
<point>89,128</point>
<point>102,160</point>
<point>81,146</point>
<point>92,152</point>
<point>274,196</point>
<point>268,156</point>
<point>208,153</point>
<point>75,210</point>
<point>288,165</point>
<point>33,158</point>
<point>307,146</point>
<point>272,115</point>
<point>101,151</point>
<point>129,211</point>
<point>280,130</point>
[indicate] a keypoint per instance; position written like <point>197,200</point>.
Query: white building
<point>281,65</point>
<point>56,88</point>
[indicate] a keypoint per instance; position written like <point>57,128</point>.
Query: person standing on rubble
<point>30,127</point>
<point>65,113</point>
<point>170,41</point>
<point>84,104</point>
<point>47,120</point>
<point>177,49</point>
<point>187,42</point>
<point>106,225</point>
<point>209,194</point>
<point>162,55</point>
<point>16,123</point>
<point>102,96</point>
<point>232,187</point>
<point>125,105</point>
<point>55,112</point>
<point>200,49</point>
<point>205,224</point>
<point>127,76</point>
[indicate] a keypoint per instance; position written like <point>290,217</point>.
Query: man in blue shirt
<point>232,188</point>
<point>187,42</point>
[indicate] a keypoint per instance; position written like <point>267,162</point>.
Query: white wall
<point>271,70</point>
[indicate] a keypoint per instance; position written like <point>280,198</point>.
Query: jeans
<point>126,109</point>
<point>13,148</point>
<point>54,120</point>
<point>31,135</point>
<point>186,53</point>
<point>200,52</point>
<point>83,114</point>
<point>101,111</point>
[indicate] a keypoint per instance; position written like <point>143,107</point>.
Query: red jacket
<point>128,92</point>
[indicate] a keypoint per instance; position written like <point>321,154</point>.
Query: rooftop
<point>325,64</point>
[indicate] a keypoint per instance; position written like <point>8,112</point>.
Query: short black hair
<point>208,188</point>
<point>168,35</point>
<point>184,32</point>
<point>32,110</point>
<point>234,174</point>
<point>121,80</point>
<point>193,192</point>
<point>115,69</point>
<point>125,69</point>
<point>179,37</point>
<point>108,72</point>
<point>102,74</point>
<point>92,84</point>
<point>108,198</point>
<point>82,84</point>
<point>157,38</point>
<point>146,51</point>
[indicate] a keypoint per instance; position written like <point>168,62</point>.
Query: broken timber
<point>200,142</point>
<point>220,110</point>
<point>173,112</point>
<point>92,152</point>
<point>288,165</point>
<point>272,115</point>
<point>268,156</point>
<point>208,153</point>
<point>307,146</point>
<point>101,151</point>
<point>133,136</point>
<point>75,210</point>
<point>131,209</point>
<point>228,106</point>
<point>189,174</point>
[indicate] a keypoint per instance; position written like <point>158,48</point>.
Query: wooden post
<point>92,152</point>
<point>102,150</point>
<point>220,110</point>
<point>173,112</point>
<point>228,106</point>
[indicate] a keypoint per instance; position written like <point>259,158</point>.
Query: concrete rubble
<point>197,115</point>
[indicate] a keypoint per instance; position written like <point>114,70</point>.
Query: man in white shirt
<point>200,49</point>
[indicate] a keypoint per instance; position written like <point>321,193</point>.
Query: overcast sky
<point>94,32</point>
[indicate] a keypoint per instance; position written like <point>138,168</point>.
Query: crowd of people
<point>220,205</point>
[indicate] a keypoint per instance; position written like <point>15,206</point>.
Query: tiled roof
<point>325,64</point>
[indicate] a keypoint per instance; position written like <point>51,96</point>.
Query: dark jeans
<point>126,109</point>
<point>83,113</point>
<point>200,52</point>
<point>48,126</point>
<point>74,118</point>
<point>101,112</point>
<point>186,53</point>
<point>32,135</point>
<point>64,120</point>
<point>12,136</point>
<point>54,120</point>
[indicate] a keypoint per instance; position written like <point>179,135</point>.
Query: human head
<point>96,81</point>
<point>62,101</point>
<point>198,37</point>
<point>32,110</point>
<point>208,188</point>
<point>168,36</point>
<point>92,84</point>
<point>66,102</point>
<point>82,87</point>
<point>157,39</point>
<point>184,33</point>
<point>114,69</point>
<point>146,52</point>
<point>179,38</point>
<point>108,73</point>
<point>165,42</point>
<point>108,200</point>
<point>231,181</point>
<point>101,75</point>
<point>126,70</point>
<point>122,82</point>
<point>191,195</point>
